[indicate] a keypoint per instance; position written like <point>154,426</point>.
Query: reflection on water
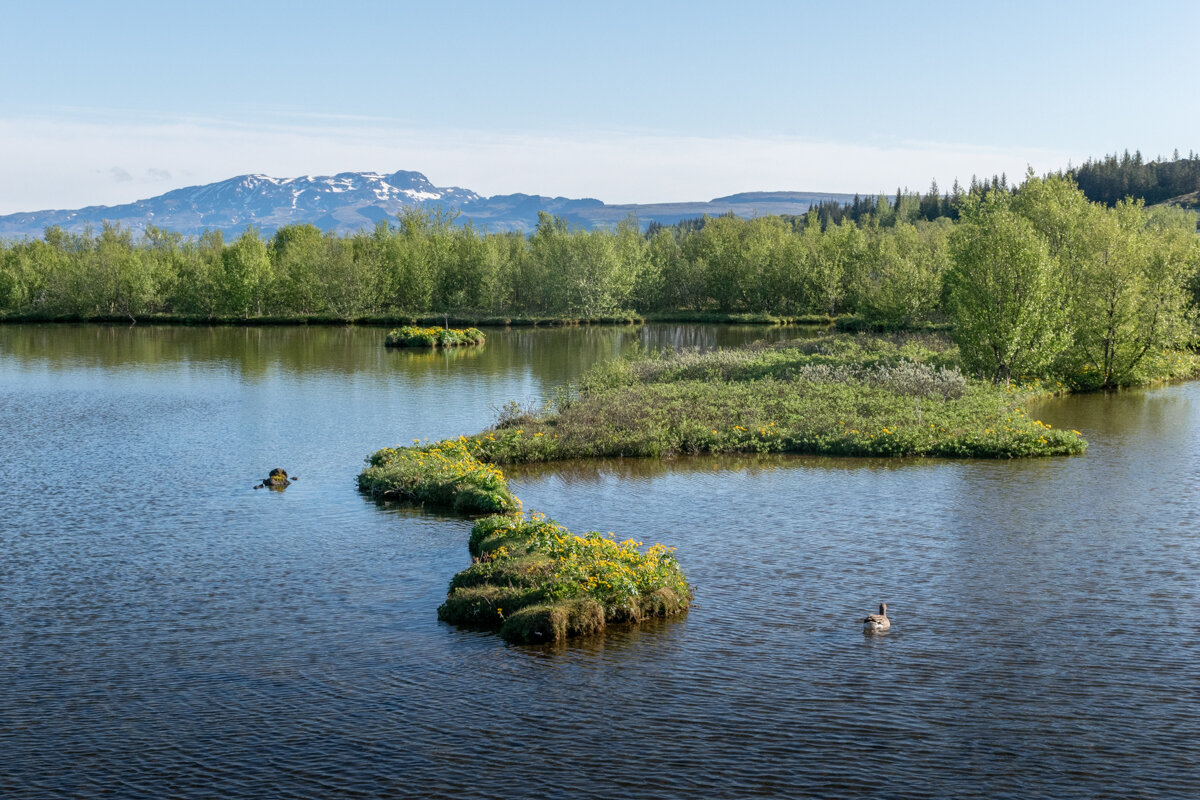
<point>552,354</point>
<point>624,469</point>
<point>168,632</point>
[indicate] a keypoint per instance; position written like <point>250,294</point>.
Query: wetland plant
<point>443,474</point>
<point>413,336</point>
<point>843,395</point>
<point>532,580</point>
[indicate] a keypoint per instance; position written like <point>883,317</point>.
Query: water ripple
<point>167,632</point>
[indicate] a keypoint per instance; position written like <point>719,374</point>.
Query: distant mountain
<point>349,201</point>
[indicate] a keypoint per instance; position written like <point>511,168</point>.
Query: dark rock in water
<point>277,480</point>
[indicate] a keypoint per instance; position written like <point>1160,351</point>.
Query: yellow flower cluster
<point>413,336</point>
<point>447,460</point>
<point>437,473</point>
<point>413,330</point>
<point>613,572</point>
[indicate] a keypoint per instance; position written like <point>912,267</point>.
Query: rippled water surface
<point>165,631</point>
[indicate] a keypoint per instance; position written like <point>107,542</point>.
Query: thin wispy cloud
<point>615,166</point>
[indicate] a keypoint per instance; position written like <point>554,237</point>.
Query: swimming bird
<point>877,623</point>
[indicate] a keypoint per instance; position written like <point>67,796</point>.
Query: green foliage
<point>443,474</point>
<point>1116,177</point>
<point>1005,293</point>
<point>245,275</point>
<point>535,581</point>
<point>843,395</point>
<point>1132,303</point>
<point>427,263</point>
<point>900,286</point>
<point>413,336</point>
<point>1046,283</point>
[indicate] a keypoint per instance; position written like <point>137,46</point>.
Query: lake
<point>166,631</point>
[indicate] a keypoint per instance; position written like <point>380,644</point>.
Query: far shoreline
<point>431,319</point>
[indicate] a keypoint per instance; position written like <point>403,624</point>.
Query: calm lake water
<point>165,631</point>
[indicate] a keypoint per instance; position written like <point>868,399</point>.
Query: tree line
<point>426,263</point>
<point>1032,277</point>
<point>1113,178</point>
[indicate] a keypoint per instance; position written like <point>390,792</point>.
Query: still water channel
<point>165,631</point>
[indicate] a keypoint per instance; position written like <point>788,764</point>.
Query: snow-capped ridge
<point>352,201</point>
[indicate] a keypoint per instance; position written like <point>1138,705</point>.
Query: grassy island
<point>534,581</point>
<point>442,474</point>
<point>838,395</point>
<point>833,395</point>
<point>413,336</point>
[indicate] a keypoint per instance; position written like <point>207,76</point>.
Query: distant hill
<point>349,201</point>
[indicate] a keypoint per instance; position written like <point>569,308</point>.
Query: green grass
<point>413,336</point>
<point>443,474</point>
<point>532,580</point>
<point>836,395</point>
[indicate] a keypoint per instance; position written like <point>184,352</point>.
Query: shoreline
<point>428,319</point>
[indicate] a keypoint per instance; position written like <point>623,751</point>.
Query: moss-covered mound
<point>534,581</point>
<point>412,336</point>
<point>442,474</point>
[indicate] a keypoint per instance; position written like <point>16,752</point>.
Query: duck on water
<point>877,623</point>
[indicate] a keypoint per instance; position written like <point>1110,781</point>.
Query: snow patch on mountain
<point>351,201</point>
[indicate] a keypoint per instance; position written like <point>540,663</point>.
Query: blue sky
<point>629,102</point>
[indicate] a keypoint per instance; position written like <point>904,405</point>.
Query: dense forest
<point>1114,178</point>
<point>1028,276</point>
<point>1108,180</point>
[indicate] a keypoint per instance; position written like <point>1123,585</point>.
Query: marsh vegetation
<point>532,580</point>
<point>846,395</point>
<point>415,336</point>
